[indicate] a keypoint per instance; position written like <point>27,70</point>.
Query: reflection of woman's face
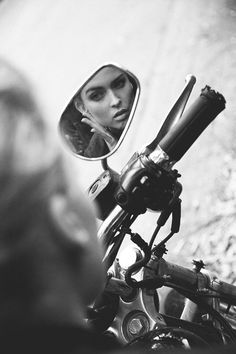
<point>108,97</point>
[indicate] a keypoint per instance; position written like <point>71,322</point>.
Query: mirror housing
<point>97,118</point>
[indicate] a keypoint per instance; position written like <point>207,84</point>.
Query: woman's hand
<point>96,127</point>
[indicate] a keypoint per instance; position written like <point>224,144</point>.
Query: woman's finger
<point>98,128</point>
<point>94,125</point>
<point>87,121</point>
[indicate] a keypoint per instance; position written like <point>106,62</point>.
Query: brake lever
<point>175,113</point>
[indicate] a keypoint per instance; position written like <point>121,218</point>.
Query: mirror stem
<point>105,164</point>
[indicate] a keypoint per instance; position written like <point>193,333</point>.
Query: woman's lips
<point>121,114</point>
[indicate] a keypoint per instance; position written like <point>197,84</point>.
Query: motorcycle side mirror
<point>96,120</point>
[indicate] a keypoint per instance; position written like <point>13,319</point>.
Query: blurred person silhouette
<point>50,257</point>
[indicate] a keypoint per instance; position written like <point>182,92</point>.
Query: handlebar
<point>193,122</point>
<point>198,283</point>
<point>226,290</point>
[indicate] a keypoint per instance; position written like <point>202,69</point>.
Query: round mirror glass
<point>97,118</point>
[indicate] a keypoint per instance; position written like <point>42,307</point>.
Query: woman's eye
<point>120,83</point>
<point>96,96</point>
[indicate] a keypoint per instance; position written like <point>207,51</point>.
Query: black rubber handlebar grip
<point>192,123</point>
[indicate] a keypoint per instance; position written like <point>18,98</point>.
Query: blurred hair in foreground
<point>48,242</point>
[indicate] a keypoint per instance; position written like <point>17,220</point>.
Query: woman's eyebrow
<point>118,78</point>
<point>94,88</point>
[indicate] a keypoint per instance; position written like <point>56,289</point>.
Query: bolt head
<point>136,326</point>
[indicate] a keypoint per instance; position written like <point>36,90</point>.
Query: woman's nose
<point>115,100</point>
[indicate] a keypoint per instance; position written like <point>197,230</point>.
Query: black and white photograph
<point>117,176</point>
